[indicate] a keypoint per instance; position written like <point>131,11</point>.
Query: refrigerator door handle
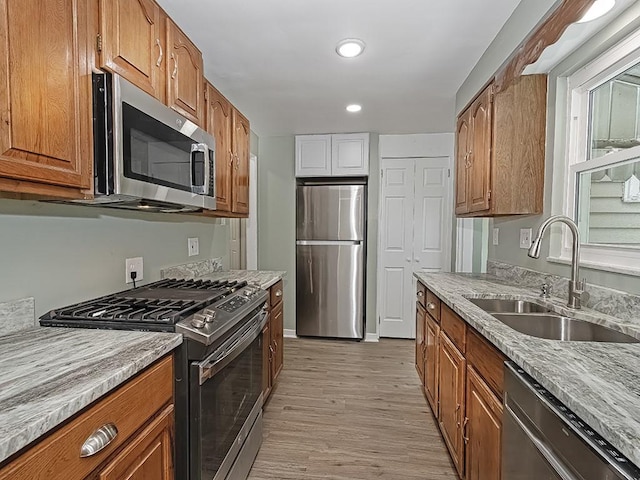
<point>328,242</point>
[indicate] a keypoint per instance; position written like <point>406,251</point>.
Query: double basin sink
<point>540,321</point>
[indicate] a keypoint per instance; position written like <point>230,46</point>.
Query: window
<point>603,160</point>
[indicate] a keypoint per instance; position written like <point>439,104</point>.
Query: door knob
<point>417,260</point>
<point>408,259</point>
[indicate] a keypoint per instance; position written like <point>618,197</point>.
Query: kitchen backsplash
<point>17,315</point>
<point>622,305</point>
<point>195,269</point>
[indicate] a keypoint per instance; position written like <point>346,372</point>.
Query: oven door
<point>226,403</point>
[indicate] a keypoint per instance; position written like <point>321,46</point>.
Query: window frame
<point>615,258</point>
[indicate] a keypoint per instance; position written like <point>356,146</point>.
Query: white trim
<point>252,221</point>
<point>371,337</point>
<point>289,333</point>
<point>464,245</point>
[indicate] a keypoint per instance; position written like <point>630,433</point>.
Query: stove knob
<point>198,321</point>
<point>209,314</point>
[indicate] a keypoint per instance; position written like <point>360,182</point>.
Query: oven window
<point>223,404</point>
<point>154,152</point>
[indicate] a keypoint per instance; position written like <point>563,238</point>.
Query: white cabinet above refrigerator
<point>339,155</point>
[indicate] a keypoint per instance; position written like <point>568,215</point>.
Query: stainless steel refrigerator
<point>330,260</point>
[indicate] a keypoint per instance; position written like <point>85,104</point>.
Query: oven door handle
<point>227,353</point>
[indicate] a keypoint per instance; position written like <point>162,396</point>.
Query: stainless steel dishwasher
<point>544,440</point>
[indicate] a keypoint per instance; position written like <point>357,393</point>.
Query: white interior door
<point>415,234</point>
<point>395,265</point>
<point>432,218</point>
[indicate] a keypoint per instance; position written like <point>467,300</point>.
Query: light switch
<point>496,233</point>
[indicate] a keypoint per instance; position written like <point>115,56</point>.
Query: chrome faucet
<point>576,287</point>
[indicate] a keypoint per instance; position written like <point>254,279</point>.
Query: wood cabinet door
<point>185,81</point>
<point>480,170</point>
<point>266,361</point>
<point>451,380</point>
<point>148,456</point>
<point>45,105</point>
<point>277,334</point>
<point>241,148</point>
<point>431,334</point>
<point>420,313</point>
<point>483,430</point>
<point>313,155</point>
<point>463,133</point>
<point>350,154</point>
<point>133,43</point>
<point>219,113</point>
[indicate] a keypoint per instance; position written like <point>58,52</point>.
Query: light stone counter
<point>49,374</point>
<point>600,382</point>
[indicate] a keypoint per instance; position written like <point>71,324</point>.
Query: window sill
<point>591,265</point>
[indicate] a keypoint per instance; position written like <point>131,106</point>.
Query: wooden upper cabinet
<point>241,139</point>
<point>219,118</point>
<point>479,188</point>
<point>185,81</point>
<point>132,43</point>
<point>463,151</point>
<point>45,106</point>
<point>500,150</point>
<point>483,436</point>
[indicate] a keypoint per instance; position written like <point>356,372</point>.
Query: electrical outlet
<point>133,265</point>
<point>525,237</point>
<point>194,246</point>
<point>496,233</point>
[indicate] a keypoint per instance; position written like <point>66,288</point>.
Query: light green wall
<point>508,250</point>
<point>62,254</point>
<point>277,220</point>
<point>254,144</point>
<point>277,216</point>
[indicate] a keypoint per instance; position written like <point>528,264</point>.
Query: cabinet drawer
<point>276,293</point>
<point>421,294</point>
<point>433,305</point>
<point>454,327</point>
<point>128,408</point>
<point>487,360</point>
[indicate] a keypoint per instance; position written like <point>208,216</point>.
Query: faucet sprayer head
<point>534,249</point>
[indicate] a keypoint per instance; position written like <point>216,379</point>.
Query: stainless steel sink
<point>556,327</point>
<point>497,305</point>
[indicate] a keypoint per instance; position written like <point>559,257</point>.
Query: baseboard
<point>288,333</point>
<point>371,337</point>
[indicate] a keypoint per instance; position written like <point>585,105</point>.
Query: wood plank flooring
<point>345,410</point>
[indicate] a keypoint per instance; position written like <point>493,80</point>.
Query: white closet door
<point>395,265</point>
<point>432,217</point>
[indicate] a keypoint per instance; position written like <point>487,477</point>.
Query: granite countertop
<point>600,382</point>
<point>49,374</point>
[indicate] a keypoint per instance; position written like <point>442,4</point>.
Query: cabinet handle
<point>160,55</point>
<point>278,293</point>
<point>464,430</point>
<point>98,440</point>
<point>457,415</point>
<point>431,306</point>
<point>271,349</point>
<point>231,158</point>
<point>175,66</point>
<point>237,161</point>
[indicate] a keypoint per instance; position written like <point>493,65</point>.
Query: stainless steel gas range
<point>218,384</point>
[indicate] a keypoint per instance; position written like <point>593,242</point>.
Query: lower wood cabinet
<point>141,411</point>
<point>483,432</point>
<point>451,380</point>
<point>462,375</point>
<point>272,340</point>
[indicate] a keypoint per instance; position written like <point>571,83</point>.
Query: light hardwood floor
<point>345,410</point>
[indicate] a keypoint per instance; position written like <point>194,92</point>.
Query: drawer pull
<point>98,440</point>
<point>421,294</point>
<point>431,306</point>
<point>278,293</point>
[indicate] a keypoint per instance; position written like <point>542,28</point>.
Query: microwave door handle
<point>199,149</point>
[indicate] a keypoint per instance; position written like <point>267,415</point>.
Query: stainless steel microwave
<point>147,156</point>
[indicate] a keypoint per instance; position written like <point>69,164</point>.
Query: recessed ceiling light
<point>353,108</point>
<point>350,47</point>
<point>598,9</point>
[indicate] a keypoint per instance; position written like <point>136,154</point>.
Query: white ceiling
<point>275,59</point>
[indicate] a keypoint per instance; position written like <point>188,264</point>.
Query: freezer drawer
<point>330,290</point>
<point>330,212</point>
